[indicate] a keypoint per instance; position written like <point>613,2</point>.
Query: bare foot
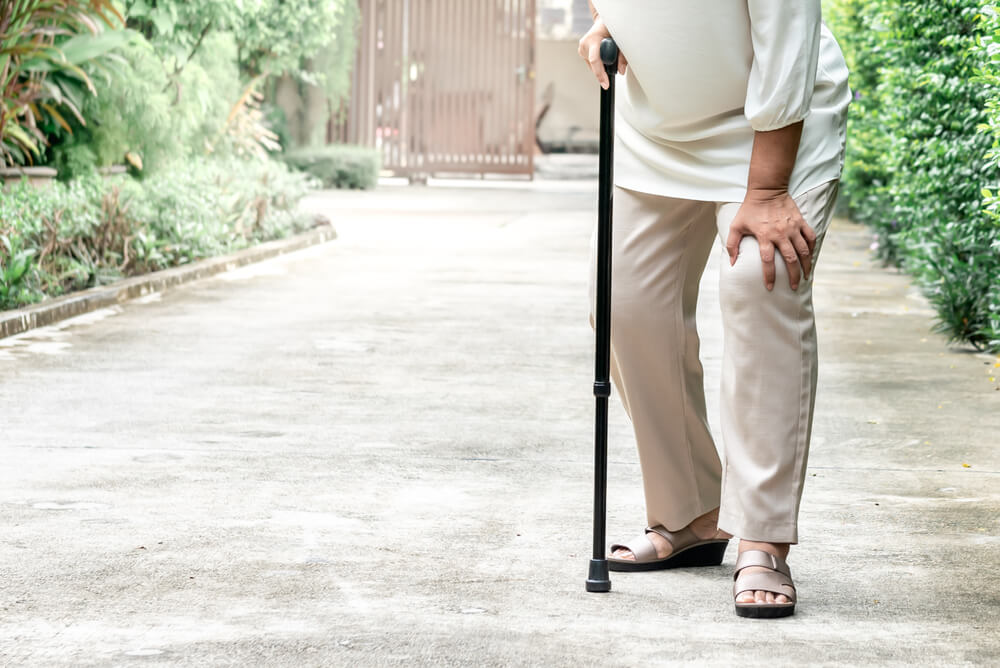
<point>759,597</point>
<point>704,527</point>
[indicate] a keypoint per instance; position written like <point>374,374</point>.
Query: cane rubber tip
<point>598,579</point>
<point>609,51</point>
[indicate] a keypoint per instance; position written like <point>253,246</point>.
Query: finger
<point>622,63</point>
<point>810,235</point>
<point>805,255</point>
<point>767,262</point>
<point>594,58</point>
<point>733,243</point>
<point>791,259</point>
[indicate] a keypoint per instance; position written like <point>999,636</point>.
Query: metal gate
<point>446,86</point>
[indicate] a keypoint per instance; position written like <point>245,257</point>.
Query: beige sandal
<point>777,581</point>
<point>688,551</point>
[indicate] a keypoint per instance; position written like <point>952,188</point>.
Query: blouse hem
<point>728,195</point>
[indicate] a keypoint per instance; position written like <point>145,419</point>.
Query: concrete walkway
<point>378,452</point>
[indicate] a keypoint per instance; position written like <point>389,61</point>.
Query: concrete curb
<point>78,303</point>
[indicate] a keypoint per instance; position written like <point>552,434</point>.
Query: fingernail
<point>795,286</point>
<point>770,286</point>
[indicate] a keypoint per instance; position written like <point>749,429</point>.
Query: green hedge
<point>338,165</point>
<point>91,231</point>
<point>922,167</point>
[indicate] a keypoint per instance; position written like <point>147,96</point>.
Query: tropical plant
<point>246,133</point>
<point>43,46</point>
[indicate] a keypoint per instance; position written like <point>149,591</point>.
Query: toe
<point>769,597</point>
<point>781,598</point>
<point>745,597</point>
<point>623,554</point>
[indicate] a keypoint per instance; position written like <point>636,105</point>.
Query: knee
<point>743,292</point>
<point>742,281</point>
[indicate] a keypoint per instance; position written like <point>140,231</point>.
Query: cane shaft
<point>602,367</point>
<point>598,579</point>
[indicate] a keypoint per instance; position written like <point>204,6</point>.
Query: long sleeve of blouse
<point>785,35</point>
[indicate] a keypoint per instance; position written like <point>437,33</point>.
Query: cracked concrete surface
<point>378,452</point>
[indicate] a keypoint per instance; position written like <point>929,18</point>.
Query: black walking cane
<point>598,579</point>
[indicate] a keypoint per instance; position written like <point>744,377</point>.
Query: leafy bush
<point>919,154</point>
<point>338,165</point>
<point>49,222</point>
<point>858,25</point>
<point>144,116</point>
<point>274,35</point>
<point>192,81</point>
<point>91,231</point>
<point>14,265</point>
<point>990,78</point>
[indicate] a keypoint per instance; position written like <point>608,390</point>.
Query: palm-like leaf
<point>43,45</point>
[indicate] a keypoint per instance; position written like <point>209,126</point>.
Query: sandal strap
<point>763,559</point>
<point>641,548</point>
<point>773,581</point>
<point>678,540</point>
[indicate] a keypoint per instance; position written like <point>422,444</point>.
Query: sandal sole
<point>706,554</point>
<point>767,611</point>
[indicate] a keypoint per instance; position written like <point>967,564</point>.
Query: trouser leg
<point>660,247</point>
<point>769,367</point>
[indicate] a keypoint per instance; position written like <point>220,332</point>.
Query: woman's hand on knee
<point>773,218</point>
<point>590,51</point>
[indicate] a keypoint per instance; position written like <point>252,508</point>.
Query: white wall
<point>577,94</point>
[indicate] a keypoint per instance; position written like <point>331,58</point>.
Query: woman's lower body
<point>769,367</point>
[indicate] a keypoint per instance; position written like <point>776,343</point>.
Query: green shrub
<point>15,265</point>
<point>51,221</point>
<point>990,78</point>
<point>859,27</point>
<point>338,165</point>
<point>919,154</point>
<point>155,118</point>
<point>91,231</point>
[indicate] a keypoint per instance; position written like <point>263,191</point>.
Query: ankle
<point>707,526</point>
<point>777,549</point>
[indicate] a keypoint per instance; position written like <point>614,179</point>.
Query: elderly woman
<point>730,123</point>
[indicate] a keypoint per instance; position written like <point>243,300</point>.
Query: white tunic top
<point>704,74</point>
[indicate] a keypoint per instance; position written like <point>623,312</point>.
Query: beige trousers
<point>769,365</point>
